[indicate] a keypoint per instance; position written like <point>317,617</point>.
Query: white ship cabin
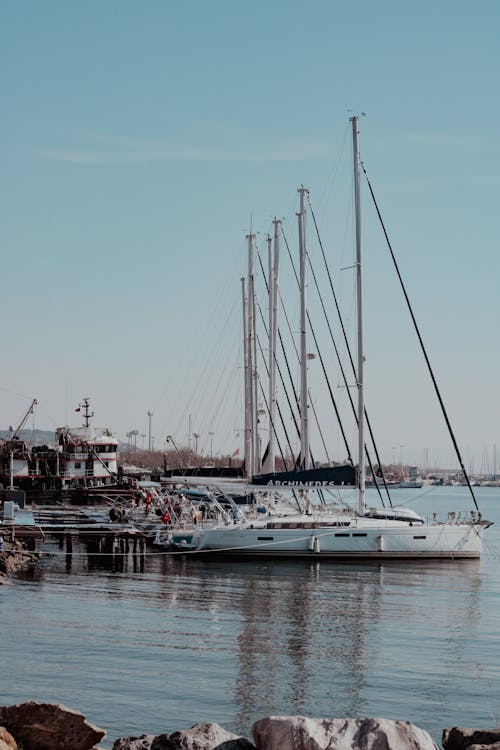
<point>87,456</point>
<point>17,458</point>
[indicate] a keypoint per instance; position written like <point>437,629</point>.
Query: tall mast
<point>359,294</point>
<point>273,330</point>
<point>252,358</point>
<point>304,422</point>
<point>246,355</point>
<point>269,462</point>
<point>255,383</point>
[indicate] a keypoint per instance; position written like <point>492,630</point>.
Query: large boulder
<point>199,737</point>
<point>460,738</point>
<point>204,737</point>
<point>49,726</point>
<point>7,741</point>
<point>302,733</point>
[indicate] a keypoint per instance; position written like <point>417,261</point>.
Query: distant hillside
<point>43,437</point>
<point>38,437</point>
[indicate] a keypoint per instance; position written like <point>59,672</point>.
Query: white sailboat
<point>345,533</point>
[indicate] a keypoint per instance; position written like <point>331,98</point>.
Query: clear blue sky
<point>139,137</point>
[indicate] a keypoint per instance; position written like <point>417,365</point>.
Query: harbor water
<point>160,642</point>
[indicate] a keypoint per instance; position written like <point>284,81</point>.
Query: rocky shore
<point>51,726</point>
<point>13,557</point>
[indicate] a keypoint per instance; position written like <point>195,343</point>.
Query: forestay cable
<point>429,367</point>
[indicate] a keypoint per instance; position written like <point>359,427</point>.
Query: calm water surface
<point>167,642</point>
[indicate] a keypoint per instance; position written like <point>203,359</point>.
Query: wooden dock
<point>94,527</point>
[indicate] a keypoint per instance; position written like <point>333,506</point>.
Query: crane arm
<point>24,419</point>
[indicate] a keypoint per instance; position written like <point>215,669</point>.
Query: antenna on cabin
<point>87,414</point>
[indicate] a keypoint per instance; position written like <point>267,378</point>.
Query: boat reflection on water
<point>326,639</point>
<point>211,640</point>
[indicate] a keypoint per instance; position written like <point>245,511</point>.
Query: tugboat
<point>81,468</point>
<point>87,456</point>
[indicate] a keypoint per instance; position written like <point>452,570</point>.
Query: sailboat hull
<point>439,541</point>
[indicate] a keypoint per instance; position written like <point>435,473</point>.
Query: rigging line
<point>286,361</point>
<point>280,413</point>
<point>205,420</point>
<point>224,381</point>
<point>341,426</point>
<point>203,354</point>
<point>289,328</point>
<point>272,426</point>
<point>15,393</point>
<point>210,355</point>
<point>283,350</point>
<point>332,176</point>
<point>332,397</point>
<point>281,299</point>
<point>318,425</point>
<point>219,399</point>
<point>277,402</point>
<point>297,400</point>
<point>367,453</point>
<point>295,394</point>
<point>291,382</point>
<point>285,390</point>
<point>417,331</point>
<point>267,373</point>
<point>346,341</point>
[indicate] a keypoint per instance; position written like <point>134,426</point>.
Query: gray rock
<point>49,726</point>
<point>161,742</point>
<point>204,737</point>
<point>15,558</point>
<point>459,738</point>
<point>143,742</point>
<point>302,733</point>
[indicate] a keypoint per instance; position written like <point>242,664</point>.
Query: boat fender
<point>312,542</point>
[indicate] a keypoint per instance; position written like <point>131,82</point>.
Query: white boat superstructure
<point>87,456</point>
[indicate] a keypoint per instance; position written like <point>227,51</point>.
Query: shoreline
<point>53,726</point>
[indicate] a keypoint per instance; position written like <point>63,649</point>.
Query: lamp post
<point>11,459</point>
<point>196,435</point>
<point>211,434</point>
<point>150,443</point>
